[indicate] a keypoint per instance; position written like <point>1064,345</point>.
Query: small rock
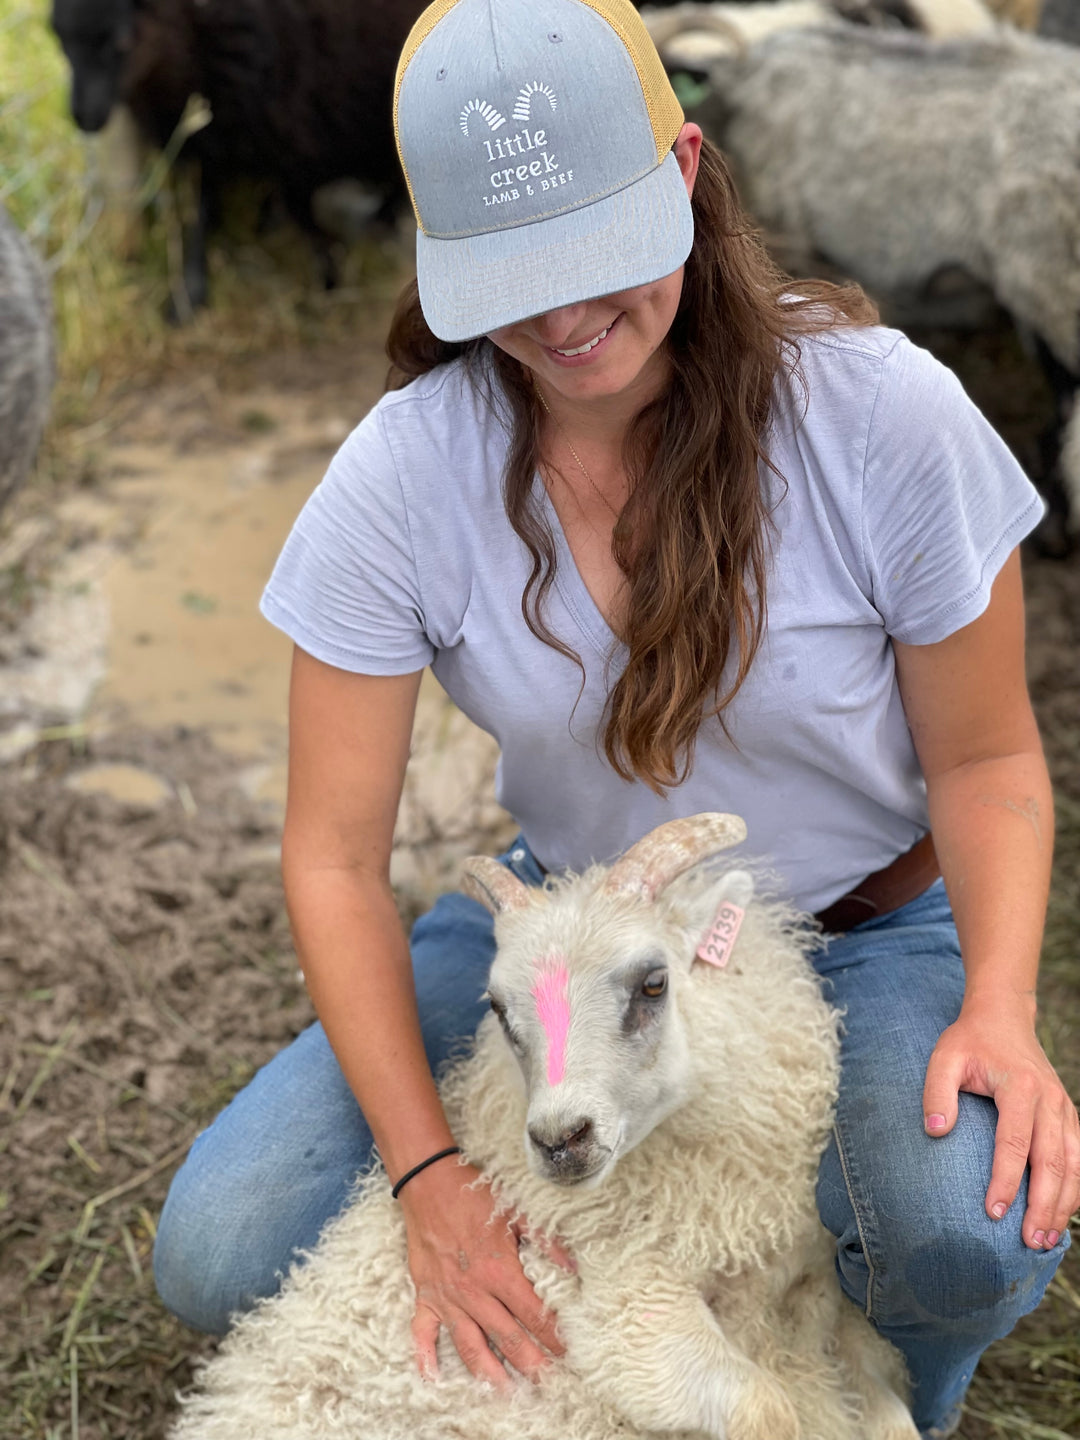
<point>126,783</point>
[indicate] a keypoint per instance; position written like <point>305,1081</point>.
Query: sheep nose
<point>566,1146</point>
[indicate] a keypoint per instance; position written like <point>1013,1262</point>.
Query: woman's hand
<point>463,1258</point>
<point>992,1050</point>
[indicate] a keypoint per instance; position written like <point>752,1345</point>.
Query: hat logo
<point>523,103</point>
<point>534,170</point>
<point>486,112</point>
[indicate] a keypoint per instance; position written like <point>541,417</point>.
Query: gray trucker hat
<point>536,137</point>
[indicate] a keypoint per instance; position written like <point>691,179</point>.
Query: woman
<point>681,541</point>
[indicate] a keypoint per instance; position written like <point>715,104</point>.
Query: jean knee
<point>180,1271</point>
<point>980,1277</point>
<point>221,1245</point>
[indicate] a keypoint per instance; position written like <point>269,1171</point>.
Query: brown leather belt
<point>885,890</point>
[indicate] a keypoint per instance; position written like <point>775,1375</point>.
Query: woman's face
<point>601,348</point>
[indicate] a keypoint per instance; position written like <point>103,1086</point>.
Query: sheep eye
<point>654,984</point>
<point>500,1010</point>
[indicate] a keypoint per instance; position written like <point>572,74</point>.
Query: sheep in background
<point>27,358</point>
<point>898,158</point>
<point>691,1091</point>
<point>748,22</point>
<point>690,34</point>
<point>299,94</point>
<point>1060,20</point>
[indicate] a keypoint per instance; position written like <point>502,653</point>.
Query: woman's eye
<point>654,984</point>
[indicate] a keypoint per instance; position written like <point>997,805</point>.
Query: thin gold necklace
<point>580,463</point>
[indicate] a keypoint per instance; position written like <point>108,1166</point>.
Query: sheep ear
<point>494,886</point>
<point>718,917</point>
<point>669,850</point>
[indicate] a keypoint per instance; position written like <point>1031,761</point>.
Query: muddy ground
<point>146,968</point>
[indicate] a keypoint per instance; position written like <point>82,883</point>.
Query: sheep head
<point>97,37</point>
<point>586,984</point>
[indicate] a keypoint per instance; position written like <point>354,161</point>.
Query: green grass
<point>111,292</point>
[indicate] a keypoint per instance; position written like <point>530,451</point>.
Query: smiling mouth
<point>589,344</point>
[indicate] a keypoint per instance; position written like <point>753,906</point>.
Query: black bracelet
<point>441,1155</point>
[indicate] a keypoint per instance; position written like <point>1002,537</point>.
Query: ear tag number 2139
<point>719,940</point>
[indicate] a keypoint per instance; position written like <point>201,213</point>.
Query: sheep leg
<point>207,207</point>
<point>659,1356</point>
<point>879,1376</point>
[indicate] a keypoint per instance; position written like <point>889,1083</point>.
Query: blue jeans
<point>915,1248</point>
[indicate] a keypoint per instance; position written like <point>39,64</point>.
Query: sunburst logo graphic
<point>492,117</point>
<point>523,103</point>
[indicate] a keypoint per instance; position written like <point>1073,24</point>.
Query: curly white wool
<point>708,1227</point>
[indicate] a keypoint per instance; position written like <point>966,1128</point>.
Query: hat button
<point>555,37</point>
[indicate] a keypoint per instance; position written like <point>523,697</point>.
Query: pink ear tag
<point>717,943</point>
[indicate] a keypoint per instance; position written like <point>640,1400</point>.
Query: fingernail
<point>1038,1238</point>
<point>1052,1237</point>
<point>935,1122</point>
<point>999,1210</point>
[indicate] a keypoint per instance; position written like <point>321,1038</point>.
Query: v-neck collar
<point>573,591</point>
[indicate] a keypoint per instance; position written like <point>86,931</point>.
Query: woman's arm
<point>992,818</point>
<point>348,747</point>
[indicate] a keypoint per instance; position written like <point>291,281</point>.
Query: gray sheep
<point>899,158</point>
<point>1061,20</point>
<point>27,358</point>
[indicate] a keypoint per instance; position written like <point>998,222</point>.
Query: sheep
<point>609,1099</point>
<point>1060,20</point>
<point>298,94</point>
<point>896,158</point>
<point>27,356</point>
<point>690,34</point>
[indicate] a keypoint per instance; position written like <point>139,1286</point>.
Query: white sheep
<point>690,33</point>
<point>896,158</point>
<point>664,1117</point>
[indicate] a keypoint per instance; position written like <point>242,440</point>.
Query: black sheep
<point>300,91</point>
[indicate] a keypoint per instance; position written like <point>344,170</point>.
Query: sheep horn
<point>667,851</point>
<point>494,886</point>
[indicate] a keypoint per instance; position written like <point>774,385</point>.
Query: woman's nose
<point>555,327</point>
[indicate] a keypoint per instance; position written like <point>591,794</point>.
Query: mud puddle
<point>152,621</point>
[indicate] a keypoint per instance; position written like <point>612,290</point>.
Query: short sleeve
<point>345,587</point>
<point>944,500</point>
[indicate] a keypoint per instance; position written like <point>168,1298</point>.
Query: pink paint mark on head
<point>553,1011</point>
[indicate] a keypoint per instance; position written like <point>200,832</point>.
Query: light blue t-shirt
<point>900,506</point>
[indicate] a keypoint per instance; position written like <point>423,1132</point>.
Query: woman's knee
<point>980,1277</point>
<point>203,1268</point>
<point>916,1247</point>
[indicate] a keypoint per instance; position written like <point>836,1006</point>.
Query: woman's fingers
<point>471,1343</point>
<point>1070,1190</point>
<point>514,1338</point>
<point>944,1076</point>
<point>1055,1168</point>
<point>425,1333</point>
<point>522,1301</point>
<point>1047,1174</point>
<point>1012,1146</point>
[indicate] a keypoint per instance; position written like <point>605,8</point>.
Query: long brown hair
<point>693,536</point>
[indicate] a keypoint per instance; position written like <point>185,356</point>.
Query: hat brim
<point>474,284</point>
